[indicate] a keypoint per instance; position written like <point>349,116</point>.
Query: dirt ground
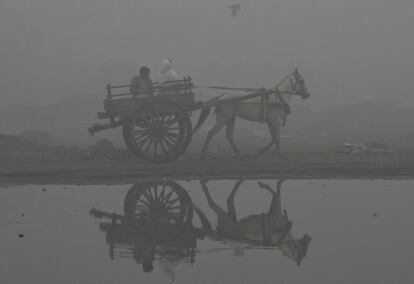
<point>298,166</point>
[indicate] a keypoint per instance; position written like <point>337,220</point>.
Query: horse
<point>270,229</point>
<point>271,109</point>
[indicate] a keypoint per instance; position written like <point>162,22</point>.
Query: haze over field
<point>61,53</point>
<point>158,197</point>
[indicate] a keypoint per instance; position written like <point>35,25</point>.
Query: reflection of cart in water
<point>157,224</point>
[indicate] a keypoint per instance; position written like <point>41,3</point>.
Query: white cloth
<point>167,73</point>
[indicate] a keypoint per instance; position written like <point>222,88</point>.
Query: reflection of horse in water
<point>269,229</point>
<point>156,225</point>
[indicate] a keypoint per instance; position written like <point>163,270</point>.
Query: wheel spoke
<point>169,143</point>
<point>175,142</point>
<point>148,195</point>
<point>172,134</point>
<point>174,207</point>
<point>169,203</point>
<point>171,121</point>
<point>157,116</point>
<point>156,196</point>
<point>155,146</point>
<point>172,140</point>
<point>154,192</point>
<point>140,138</point>
<point>142,142</point>
<point>168,195</point>
<point>162,146</point>
<point>142,131</point>
<point>144,201</point>
<point>162,194</point>
<point>174,128</point>
<point>147,149</point>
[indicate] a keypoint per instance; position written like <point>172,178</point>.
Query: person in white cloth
<point>166,77</point>
<point>167,73</point>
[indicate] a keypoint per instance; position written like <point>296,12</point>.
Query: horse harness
<point>264,101</point>
<point>267,230</point>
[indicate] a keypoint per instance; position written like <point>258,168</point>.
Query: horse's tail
<point>206,111</point>
<point>203,116</point>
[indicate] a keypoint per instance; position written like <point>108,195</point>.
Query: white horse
<point>271,109</point>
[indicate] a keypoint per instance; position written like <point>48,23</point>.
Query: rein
<point>227,88</point>
<point>276,89</point>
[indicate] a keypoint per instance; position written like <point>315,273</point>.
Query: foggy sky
<point>348,51</point>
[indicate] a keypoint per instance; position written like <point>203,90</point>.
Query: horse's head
<point>302,246</point>
<point>296,249</point>
<point>298,85</point>
<point>293,84</point>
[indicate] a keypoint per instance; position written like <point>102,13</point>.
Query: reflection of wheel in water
<point>158,203</point>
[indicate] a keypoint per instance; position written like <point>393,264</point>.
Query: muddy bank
<point>395,166</point>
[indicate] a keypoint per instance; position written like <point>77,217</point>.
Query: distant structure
<point>235,9</point>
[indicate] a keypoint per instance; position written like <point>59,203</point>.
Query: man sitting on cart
<point>141,84</point>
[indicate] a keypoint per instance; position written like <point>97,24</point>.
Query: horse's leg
<point>220,123</point>
<point>224,222</point>
<point>267,147</point>
<point>231,208</point>
<point>229,135</point>
<point>276,204</point>
<point>275,132</point>
<point>213,205</point>
<point>277,140</point>
<point>276,216</point>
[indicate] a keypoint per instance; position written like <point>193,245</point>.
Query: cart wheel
<point>160,132</point>
<point>158,204</point>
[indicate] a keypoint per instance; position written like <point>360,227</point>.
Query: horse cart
<point>158,128</point>
<point>155,128</point>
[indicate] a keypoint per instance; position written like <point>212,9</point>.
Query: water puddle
<point>200,231</point>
